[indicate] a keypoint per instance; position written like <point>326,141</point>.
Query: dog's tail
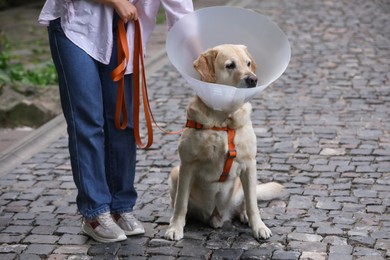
<point>269,191</point>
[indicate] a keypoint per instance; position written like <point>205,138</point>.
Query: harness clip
<point>232,153</point>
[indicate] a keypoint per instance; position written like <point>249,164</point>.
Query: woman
<point>82,36</point>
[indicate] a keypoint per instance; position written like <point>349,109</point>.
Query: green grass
<point>161,16</point>
<point>15,73</point>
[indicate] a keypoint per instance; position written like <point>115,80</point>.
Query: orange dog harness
<point>231,154</point>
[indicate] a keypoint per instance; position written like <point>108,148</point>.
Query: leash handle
<point>118,75</point>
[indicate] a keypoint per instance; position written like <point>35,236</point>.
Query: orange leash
<point>231,154</point>
<point>138,55</point>
<point>118,76</point>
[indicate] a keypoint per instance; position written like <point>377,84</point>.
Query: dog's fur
<point>194,185</point>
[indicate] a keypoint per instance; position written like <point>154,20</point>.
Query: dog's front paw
<point>262,232</point>
<point>174,233</point>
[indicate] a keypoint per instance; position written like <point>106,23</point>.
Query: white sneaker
<point>103,229</point>
<point>129,224</point>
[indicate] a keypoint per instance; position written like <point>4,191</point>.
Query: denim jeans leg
<point>120,144</point>
<point>82,103</point>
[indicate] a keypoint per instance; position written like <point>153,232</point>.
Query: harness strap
<point>231,154</point>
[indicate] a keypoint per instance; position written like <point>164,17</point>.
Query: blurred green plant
<point>15,73</point>
<point>160,19</point>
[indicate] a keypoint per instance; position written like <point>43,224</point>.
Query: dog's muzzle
<point>249,81</point>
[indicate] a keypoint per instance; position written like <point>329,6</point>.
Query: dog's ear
<point>204,65</point>
<point>253,62</point>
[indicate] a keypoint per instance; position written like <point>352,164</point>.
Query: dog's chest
<point>206,150</point>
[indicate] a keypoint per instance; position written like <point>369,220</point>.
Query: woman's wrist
<point>108,2</point>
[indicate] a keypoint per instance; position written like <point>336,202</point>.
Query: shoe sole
<point>134,232</point>
<point>93,235</point>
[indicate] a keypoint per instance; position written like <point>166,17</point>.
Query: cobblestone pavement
<point>323,131</point>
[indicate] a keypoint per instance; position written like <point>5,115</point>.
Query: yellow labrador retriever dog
<point>197,187</point>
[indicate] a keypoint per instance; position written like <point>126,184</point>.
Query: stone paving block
<point>383,244</point>
<point>376,209</point>
<point>8,256</point>
<point>57,257</point>
<point>328,204</point>
<point>68,230</point>
<point>259,253</point>
<point>313,256</point>
<point>245,241</point>
<point>341,249</point>
<point>72,250</point>
<point>327,230</point>
<point>307,246</point>
<point>29,257</point>
<point>162,257</point>
<point>384,233</point>
<point>16,248</point>
<point>131,252</point>
<point>18,229</point>
<point>41,250</point>
<point>134,246</point>
<point>69,239</point>
<point>47,222</point>
<point>135,258</point>
<point>300,202</point>
<point>105,257</point>
<point>10,238</point>
<point>304,237</point>
<point>228,254</point>
<point>365,193</point>
<point>369,252</point>
<point>41,239</point>
<point>195,252</point>
<point>336,256</point>
<point>107,249</point>
<point>291,255</point>
<point>361,240</point>
<point>163,251</point>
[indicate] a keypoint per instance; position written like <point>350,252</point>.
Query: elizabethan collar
<point>209,27</point>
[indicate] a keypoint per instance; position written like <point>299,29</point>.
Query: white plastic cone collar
<point>209,27</point>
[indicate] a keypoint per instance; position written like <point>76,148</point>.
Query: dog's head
<point>227,64</point>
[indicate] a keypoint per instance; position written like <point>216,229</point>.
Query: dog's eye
<point>231,65</point>
<point>248,64</point>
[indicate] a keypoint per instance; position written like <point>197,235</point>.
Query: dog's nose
<point>251,81</point>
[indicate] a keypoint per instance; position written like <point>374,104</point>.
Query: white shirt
<point>89,24</point>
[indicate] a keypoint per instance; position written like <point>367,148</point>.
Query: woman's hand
<point>125,10</point>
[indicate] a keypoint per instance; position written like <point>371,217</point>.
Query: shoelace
<point>130,218</point>
<point>106,220</point>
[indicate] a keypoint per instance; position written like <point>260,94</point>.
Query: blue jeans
<point>102,157</point>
